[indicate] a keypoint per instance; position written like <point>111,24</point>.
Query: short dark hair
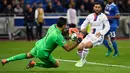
<point>61,21</point>
<point>97,3</point>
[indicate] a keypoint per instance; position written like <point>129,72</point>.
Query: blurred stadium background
<point>12,23</point>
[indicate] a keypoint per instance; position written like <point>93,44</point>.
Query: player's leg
<point>105,42</point>
<point>88,42</point>
<point>109,39</point>
<point>48,62</point>
<point>82,60</point>
<point>81,46</point>
<point>17,57</point>
<point>31,54</point>
<point>80,49</point>
<point>114,44</point>
<point>83,50</point>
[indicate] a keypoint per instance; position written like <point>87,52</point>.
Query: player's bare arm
<point>68,48</point>
<point>116,16</point>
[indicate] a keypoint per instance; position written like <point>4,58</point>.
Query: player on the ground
<point>112,12</point>
<point>44,47</point>
<point>99,27</point>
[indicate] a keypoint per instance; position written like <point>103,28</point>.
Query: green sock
<point>44,65</point>
<point>17,57</point>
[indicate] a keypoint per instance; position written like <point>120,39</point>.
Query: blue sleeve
<point>116,10</point>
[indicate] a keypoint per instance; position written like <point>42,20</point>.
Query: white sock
<point>79,53</point>
<point>84,53</point>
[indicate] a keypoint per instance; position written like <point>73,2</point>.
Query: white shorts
<point>92,38</point>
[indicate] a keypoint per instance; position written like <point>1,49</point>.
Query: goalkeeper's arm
<point>85,30</point>
<point>84,33</point>
<point>75,43</point>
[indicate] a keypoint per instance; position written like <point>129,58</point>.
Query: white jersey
<point>98,23</point>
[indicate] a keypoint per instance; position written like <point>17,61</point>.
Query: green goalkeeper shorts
<point>43,56</point>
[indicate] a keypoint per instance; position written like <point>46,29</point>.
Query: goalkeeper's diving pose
<point>44,47</point>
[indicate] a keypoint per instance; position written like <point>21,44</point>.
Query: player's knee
<point>89,45</point>
<point>80,46</point>
<point>113,39</point>
<point>29,55</point>
<point>56,64</point>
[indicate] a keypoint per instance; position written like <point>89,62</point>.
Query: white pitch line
<point>94,63</point>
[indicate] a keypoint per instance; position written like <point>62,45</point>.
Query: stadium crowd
<point>27,9</point>
<point>57,6</point>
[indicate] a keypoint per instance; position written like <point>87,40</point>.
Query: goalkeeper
<point>44,47</point>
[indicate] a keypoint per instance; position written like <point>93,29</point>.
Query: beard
<point>97,11</point>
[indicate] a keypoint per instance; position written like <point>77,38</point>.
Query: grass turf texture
<point>97,54</point>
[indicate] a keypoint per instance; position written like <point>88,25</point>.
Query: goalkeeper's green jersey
<point>52,39</point>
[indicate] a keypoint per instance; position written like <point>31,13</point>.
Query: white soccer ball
<point>73,36</point>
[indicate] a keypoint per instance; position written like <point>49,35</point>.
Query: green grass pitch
<point>120,64</point>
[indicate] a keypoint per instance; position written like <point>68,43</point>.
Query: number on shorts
<point>112,34</point>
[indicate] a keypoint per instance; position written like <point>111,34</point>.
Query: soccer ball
<point>73,36</point>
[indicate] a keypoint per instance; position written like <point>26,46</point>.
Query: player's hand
<point>73,30</point>
<point>79,35</point>
<point>98,34</point>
